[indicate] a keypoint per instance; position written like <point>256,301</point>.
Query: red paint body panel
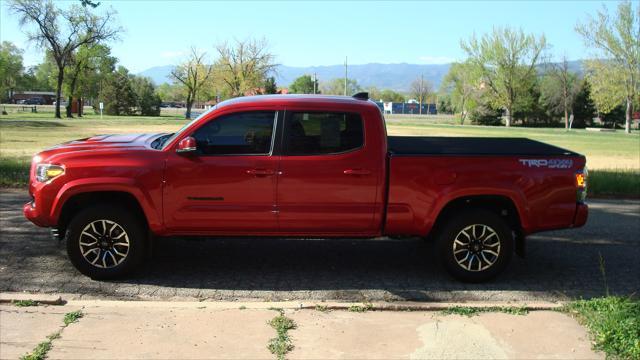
<point>234,201</point>
<point>363,192</point>
<point>544,198</point>
<point>98,166</point>
<point>340,194</point>
<point>582,213</point>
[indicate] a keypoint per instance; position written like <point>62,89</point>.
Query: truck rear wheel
<point>475,245</point>
<point>105,242</point>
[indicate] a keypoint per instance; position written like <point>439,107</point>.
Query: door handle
<point>260,172</point>
<point>357,172</point>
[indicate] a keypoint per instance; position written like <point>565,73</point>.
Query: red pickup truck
<point>303,166</point>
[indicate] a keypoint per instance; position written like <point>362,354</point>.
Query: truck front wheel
<point>105,242</point>
<point>475,245</point>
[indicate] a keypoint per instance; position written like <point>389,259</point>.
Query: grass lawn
<point>604,150</point>
<point>614,323</point>
<point>613,158</point>
<point>23,137</point>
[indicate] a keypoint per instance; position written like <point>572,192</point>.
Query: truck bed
<point>427,145</point>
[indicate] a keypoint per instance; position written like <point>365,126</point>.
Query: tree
<point>269,86</point>
<point>558,90</point>
<point>117,93</point>
<point>82,66</point>
<point>336,87</point>
<point>62,31</point>
<point>462,82</point>
<point>444,105</point>
<point>193,75</point>
<point>583,108</point>
<point>304,84</point>
<point>171,92</point>
<point>617,39</point>
<point>100,66</point>
<point>147,100</point>
<point>244,65</point>
<point>607,84</point>
<point>420,90</point>
<point>529,107</point>
<point>38,78</point>
<point>10,69</point>
<point>388,95</point>
<point>89,3</point>
<point>374,93</point>
<point>485,114</point>
<point>506,59</point>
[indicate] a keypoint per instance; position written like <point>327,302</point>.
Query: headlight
<point>46,172</point>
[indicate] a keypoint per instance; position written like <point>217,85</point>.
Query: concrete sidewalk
<point>197,330</point>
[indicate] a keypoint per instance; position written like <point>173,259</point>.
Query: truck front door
<point>228,185</point>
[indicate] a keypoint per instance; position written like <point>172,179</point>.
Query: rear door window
<point>318,133</point>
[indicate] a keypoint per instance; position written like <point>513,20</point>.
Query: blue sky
<point>308,33</point>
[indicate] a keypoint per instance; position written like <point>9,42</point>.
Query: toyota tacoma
<point>303,166</point>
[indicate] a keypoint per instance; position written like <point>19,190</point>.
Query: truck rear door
<point>329,174</point>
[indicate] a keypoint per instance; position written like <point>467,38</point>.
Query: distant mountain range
<point>397,77</point>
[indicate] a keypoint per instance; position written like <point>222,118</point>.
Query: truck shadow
<point>562,264</point>
<point>558,265</point>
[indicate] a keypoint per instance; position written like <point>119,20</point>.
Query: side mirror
<point>186,145</point>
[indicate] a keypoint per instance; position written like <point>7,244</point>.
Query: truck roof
<point>295,99</point>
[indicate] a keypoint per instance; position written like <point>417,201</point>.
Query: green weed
<point>281,344</point>
<point>614,323</point>
<point>472,311</point>
<point>361,308</point>
<point>41,350</point>
<point>25,303</point>
<point>72,317</point>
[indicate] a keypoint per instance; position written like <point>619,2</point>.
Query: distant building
<point>406,108</point>
<point>47,97</point>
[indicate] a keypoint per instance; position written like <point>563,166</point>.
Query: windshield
<point>177,133</point>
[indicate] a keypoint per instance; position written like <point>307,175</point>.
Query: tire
<point>101,232</point>
<point>471,257</point>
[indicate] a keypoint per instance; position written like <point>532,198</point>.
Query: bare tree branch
<point>193,74</point>
<point>245,65</point>
<point>63,31</point>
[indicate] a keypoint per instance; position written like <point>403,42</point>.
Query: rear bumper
<point>582,214</point>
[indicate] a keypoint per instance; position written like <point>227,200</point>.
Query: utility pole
<point>315,80</point>
<point>421,91</point>
<point>345,76</point>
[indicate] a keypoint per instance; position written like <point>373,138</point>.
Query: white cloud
<point>171,54</point>
<point>436,59</point>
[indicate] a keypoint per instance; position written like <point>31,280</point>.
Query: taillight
<point>581,185</point>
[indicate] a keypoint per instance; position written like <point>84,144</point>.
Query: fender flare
<point>515,196</point>
<point>104,184</point>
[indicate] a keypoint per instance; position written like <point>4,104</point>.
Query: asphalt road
<point>559,265</point>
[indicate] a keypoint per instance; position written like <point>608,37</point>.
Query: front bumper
<point>582,214</point>
<point>33,214</point>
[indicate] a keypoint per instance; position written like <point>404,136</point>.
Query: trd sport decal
<point>548,163</point>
